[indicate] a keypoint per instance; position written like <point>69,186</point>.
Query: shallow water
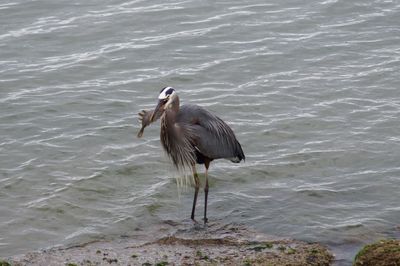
<point>309,87</point>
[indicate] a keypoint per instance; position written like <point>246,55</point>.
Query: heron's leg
<point>207,164</point>
<point>196,190</point>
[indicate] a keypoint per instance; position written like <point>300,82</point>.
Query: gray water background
<point>309,87</point>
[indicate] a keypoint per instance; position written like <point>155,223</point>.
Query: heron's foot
<point>194,220</point>
<point>205,220</point>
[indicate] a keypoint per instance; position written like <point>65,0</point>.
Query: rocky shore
<point>185,244</point>
<point>175,243</point>
<point>382,253</point>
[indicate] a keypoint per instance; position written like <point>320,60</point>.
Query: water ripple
<point>310,89</point>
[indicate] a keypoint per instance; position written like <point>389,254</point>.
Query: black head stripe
<point>169,91</point>
<point>166,92</point>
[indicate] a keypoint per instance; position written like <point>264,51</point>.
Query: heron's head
<point>168,98</point>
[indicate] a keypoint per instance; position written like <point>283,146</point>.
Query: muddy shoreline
<point>185,244</point>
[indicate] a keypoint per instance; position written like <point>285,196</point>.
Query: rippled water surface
<point>311,89</point>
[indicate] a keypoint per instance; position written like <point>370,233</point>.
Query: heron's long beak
<point>158,111</point>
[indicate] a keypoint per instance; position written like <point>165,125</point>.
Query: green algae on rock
<point>381,253</point>
<point>4,263</point>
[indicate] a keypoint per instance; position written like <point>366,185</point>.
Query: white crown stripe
<point>163,94</point>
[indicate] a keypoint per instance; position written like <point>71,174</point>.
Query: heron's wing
<point>212,136</point>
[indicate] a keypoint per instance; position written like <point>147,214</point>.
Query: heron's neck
<point>168,130</point>
<point>172,109</point>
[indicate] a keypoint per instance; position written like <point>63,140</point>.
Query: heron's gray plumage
<point>211,136</point>
<point>190,134</point>
<point>177,141</point>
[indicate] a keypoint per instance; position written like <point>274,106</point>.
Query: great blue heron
<point>190,134</point>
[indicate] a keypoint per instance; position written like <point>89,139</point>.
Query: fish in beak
<point>148,117</point>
